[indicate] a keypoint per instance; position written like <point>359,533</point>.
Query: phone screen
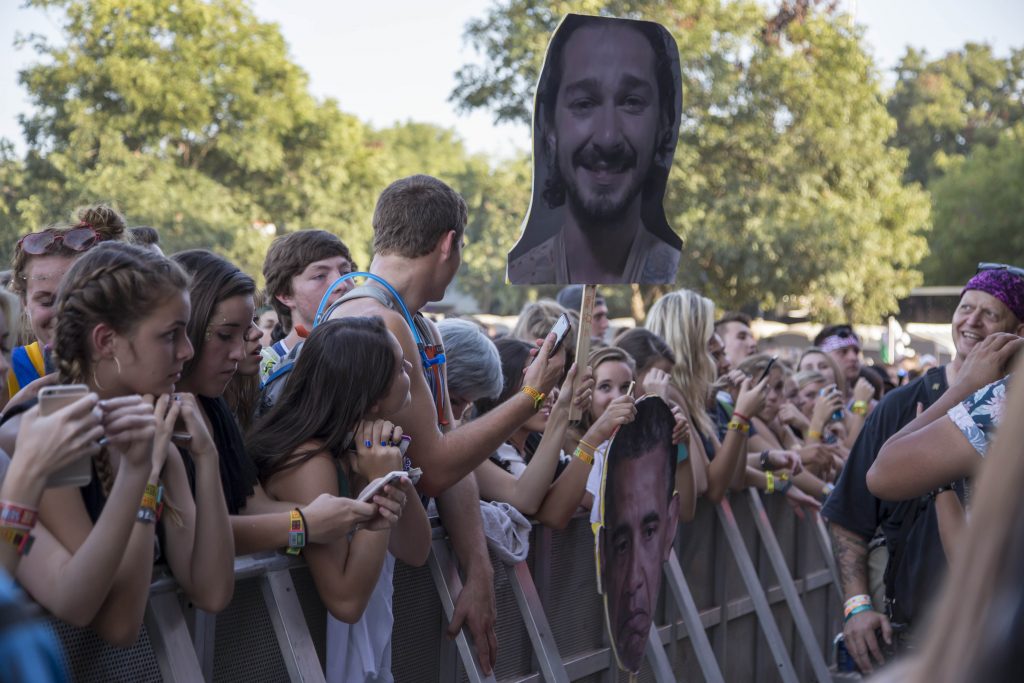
<point>561,329</point>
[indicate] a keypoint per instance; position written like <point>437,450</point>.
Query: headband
<point>836,342</point>
<point>1003,285</point>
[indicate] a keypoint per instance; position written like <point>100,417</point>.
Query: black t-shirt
<point>852,506</point>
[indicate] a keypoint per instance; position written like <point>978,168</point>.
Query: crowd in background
<point>223,420</point>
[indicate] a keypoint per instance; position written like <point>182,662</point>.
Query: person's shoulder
<point>661,261</point>
<point>534,266</point>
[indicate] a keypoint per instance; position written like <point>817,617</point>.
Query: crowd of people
<point>328,419</point>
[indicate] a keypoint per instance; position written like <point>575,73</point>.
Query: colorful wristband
<point>769,482</point>
<point>736,425</point>
<point>12,514</point>
<point>859,408</point>
<point>857,610</point>
<point>583,455</point>
<point>738,414</point>
<point>592,447</point>
<point>857,601</point>
<point>538,397</point>
<point>814,434</point>
<point>296,533</point>
<point>21,539</point>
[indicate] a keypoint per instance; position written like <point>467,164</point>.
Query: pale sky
<point>396,61</point>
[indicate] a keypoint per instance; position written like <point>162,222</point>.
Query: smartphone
<point>838,414</point>
<point>561,329</point>
<point>180,435</point>
<point>767,369</point>
<point>377,485</point>
<point>52,399</point>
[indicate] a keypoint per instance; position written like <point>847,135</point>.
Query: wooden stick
<point>582,344</point>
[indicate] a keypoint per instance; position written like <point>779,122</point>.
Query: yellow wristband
<point>813,434</point>
<point>538,398</point>
<point>592,447</point>
<point>583,455</point>
<point>738,426</point>
<point>769,482</point>
<point>859,408</point>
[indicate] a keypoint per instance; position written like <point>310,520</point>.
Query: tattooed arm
<point>851,552</point>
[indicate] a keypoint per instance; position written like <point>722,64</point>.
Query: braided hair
<point>115,284</point>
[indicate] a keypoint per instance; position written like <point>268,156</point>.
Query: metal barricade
<point>721,585</point>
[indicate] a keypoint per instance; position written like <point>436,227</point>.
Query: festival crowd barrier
<point>754,584</point>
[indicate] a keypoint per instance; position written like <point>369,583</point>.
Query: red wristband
<point>741,416</point>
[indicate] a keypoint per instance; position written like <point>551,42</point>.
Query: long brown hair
<point>214,279</point>
<point>117,285</point>
<point>345,367</point>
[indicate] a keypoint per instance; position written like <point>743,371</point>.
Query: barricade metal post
<point>753,584</point>
<point>656,658</point>
<point>172,643</point>
<point>203,637</point>
<point>449,585</point>
<point>785,578</point>
<point>544,649</point>
<point>691,619</point>
<point>289,623</point>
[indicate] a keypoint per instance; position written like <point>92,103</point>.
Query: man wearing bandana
<point>843,344</point>
<point>991,302</point>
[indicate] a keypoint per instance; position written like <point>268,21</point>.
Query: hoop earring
<point>118,364</point>
<point>96,381</point>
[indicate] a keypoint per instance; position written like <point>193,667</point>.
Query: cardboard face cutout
<point>605,125</point>
<point>638,512</point>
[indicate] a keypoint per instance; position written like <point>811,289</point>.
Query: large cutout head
<point>605,126</point>
<point>639,514</point>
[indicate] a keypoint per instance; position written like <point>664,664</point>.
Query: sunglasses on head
<point>1019,272</point>
<point>46,241</point>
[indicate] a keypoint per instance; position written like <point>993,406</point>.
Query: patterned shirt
<point>978,417</point>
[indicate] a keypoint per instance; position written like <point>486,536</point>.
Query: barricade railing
<point>749,596</point>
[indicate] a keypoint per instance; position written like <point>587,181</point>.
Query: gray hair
<point>474,367</point>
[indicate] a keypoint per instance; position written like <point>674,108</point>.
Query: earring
<point>96,381</point>
<point>118,364</point>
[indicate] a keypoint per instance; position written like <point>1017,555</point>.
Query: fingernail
<point>383,443</point>
<point>368,443</point>
<point>103,441</point>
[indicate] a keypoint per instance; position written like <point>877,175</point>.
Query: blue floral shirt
<point>978,417</point>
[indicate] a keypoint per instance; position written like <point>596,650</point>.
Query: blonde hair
<point>840,377</point>
<point>686,321</point>
<point>538,317</point>
<point>108,223</point>
<point>597,357</point>
<point>805,377</point>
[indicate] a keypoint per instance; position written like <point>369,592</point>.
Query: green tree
<point>978,210</point>
<point>783,183</point>
<point>954,104</point>
<point>191,116</point>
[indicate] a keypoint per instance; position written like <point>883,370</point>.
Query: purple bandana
<point>1003,285</point>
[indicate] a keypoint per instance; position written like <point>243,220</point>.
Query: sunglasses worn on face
<point>46,241</point>
<point>1001,266</point>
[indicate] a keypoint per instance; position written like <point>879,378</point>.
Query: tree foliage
<point>783,183</point>
<point>979,210</point>
<point>191,116</point>
<point>951,105</point>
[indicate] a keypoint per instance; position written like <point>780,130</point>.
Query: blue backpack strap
<point>24,370</point>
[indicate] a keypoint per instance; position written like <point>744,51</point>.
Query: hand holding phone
<point>77,472</point>
<point>767,369</point>
<point>561,330</point>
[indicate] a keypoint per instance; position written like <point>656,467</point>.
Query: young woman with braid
<point>121,316</point>
<point>40,261</point>
<point>350,373</point>
<point>221,329</point>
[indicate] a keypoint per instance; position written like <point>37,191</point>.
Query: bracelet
<point>764,460</point>
<point>682,453</point>
<point>147,513</point>
<point>583,455</point>
<point>741,416</point>
<point>21,539</point>
<point>786,482</point>
<point>859,408</point>
<point>769,482</point>
<point>296,533</point>
<point>592,447</point>
<point>813,434</point>
<point>305,524</point>
<point>736,425</point>
<point>857,610</point>
<point>12,514</point>
<point>828,488</point>
<point>855,602</point>
<point>538,398</point>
